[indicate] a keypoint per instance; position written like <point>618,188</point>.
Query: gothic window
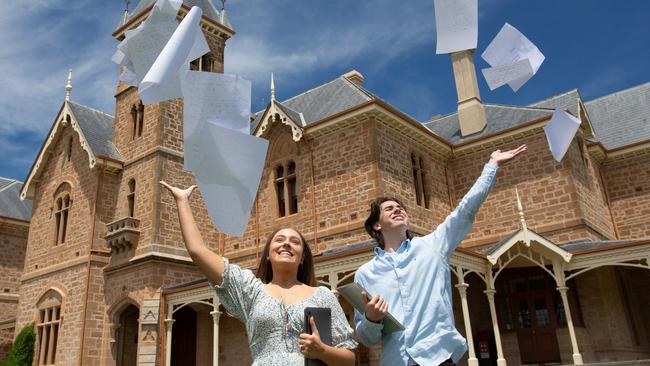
<point>61,217</point>
<point>419,175</point>
<point>48,323</point>
<point>286,189</point>
<point>69,153</point>
<point>131,198</point>
<point>137,119</point>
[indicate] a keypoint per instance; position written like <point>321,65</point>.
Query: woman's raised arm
<point>210,264</point>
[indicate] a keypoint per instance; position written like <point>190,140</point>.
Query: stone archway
<point>127,336</point>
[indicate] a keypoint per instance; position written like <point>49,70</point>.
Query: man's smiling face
<point>391,216</point>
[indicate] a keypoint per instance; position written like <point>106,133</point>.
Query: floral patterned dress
<point>273,328</point>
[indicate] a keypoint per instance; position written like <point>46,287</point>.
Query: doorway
<point>530,302</point>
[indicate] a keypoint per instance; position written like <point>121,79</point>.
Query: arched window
<point>421,194</point>
<point>137,119</point>
<point>131,198</point>
<point>140,119</point>
<point>134,120</point>
<point>61,217</point>
<point>286,189</point>
<point>48,323</point>
<point>203,63</point>
<point>69,153</point>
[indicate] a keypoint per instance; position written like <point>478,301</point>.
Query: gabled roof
<point>323,101</point>
<point>11,205</point>
<point>621,118</point>
<point>531,239</point>
<point>97,128</point>
<point>208,8</point>
<point>499,117</point>
<point>95,131</point>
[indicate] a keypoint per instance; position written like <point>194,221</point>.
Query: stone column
<point>501,361</point>
<point>462,290</point>
<point>168,341</point>
<point>216,314</point>
<point>577,357</point>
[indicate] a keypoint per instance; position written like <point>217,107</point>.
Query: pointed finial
<point>68,85</point>
<point>272,88</point>
<point>223,5</point>
<point>126,11</point>
<point>520,209</point>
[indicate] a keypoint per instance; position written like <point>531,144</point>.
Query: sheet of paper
<point>219,98</point>
<point>163,15</point>
<point>162,80</point>
<point>510,46</point>
<point>501,75</point>
<point>228,168</point>
<point>560,132</point>
<point>456,25</point>
<point>352,293</point>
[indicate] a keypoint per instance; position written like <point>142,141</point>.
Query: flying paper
<point>456,25</point>
<point>507,48</point>
<point>500,75</point>
<point>161,22</point>
<point>162,81</point>
<point>228,167</point>
<point>154,55</point>
<point>560,132</point>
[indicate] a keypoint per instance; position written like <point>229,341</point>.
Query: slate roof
<point>568,101</point>
<point>97,128</point>
<point>588,244</point>
<point>621,118</point>
<point>499,117</point>
<point>324,100</point>
<point>10,203</point>
<point>207,6</point>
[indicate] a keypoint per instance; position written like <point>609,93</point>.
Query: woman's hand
<point>310,344</point>
<point>179,194</point>
<point>499,157</point>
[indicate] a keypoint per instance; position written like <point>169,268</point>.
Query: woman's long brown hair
<point>306,272</point>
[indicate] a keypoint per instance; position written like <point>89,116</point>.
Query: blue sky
<point>597,46</point>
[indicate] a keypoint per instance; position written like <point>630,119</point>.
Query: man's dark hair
<point>375,210</point>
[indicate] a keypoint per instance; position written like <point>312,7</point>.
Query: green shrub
<point>22,351</point>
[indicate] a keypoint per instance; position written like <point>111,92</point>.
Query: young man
<point>411,278</point>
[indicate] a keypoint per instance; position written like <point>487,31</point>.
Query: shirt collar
<point>406,244</point>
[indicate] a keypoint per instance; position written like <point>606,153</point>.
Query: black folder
<point>323,320</point>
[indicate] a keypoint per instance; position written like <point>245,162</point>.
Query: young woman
<point>271,304</point>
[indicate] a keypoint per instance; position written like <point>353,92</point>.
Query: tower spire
<point>126,11</point>
<point>68,85</point>
<point>272,88</point>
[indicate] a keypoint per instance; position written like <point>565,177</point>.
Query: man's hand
<point>499,157</point>
<point>310,344</point>
<point>375,308</point>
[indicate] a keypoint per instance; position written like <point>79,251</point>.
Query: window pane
<point>279,172</point>
<point>292,168</point>
<point>279,191</point>
<point>523,315</point>
<point>294,196</point>
<point>541,313</point>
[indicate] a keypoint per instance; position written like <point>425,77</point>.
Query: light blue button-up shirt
<point>416,283</point>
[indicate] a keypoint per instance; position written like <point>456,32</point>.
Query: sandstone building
<point>556,276</point>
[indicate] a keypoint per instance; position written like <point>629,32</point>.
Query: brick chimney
<point>471,113</point>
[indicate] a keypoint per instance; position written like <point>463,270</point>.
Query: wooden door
<point>535,324</point>
<point>184,338</point>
